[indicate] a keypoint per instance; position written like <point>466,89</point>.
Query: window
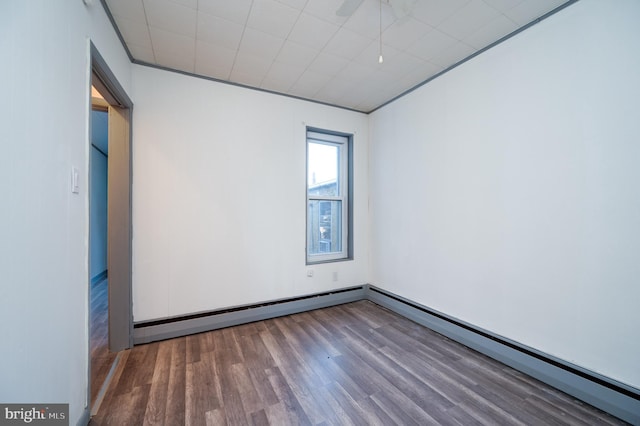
<point>328,196</point>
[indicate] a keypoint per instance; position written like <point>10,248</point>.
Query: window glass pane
<point>324,227</point>
<point>323,169</point>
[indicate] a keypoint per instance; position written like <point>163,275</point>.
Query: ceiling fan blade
<point>348,7</point>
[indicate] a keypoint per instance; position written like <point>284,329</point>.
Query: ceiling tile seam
<point>322,50</point>
<point>325,45</point>
<point>301,7</point>
<point>501,13</point>
<point>322,18</point>
<point>307,69</point>
<point>350,60</point>
<point>331,78</point>
<point>493,20</point>
<point>280,50</point>
<point>244,29</point>
<point>195,39</point>
<point>436,25</point>
<point>183,4</point>
<point>413,56</point>
<point>146,19</point>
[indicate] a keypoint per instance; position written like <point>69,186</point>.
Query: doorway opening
<point>101,358</point>
<point>110,271</point>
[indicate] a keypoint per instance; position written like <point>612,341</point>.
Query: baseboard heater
<point>149,331</point>
<point>616,398</point>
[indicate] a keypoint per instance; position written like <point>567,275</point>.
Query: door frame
<point>119,202</point>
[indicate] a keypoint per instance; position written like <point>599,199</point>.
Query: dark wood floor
<point>351,364</point>
<point>101,358</point>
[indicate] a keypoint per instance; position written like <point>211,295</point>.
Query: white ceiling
<point>302,48</point>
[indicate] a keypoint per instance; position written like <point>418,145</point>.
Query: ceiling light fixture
<point>380,58</point>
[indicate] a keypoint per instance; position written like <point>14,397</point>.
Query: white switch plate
<point>309,272</point>
<point>75,176</point>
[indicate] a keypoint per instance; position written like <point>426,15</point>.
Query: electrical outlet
<point>310,272</point>
<point>335,276</point>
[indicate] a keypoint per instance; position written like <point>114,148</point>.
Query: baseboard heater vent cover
<point>151,331</point>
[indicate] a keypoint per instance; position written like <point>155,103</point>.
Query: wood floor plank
<point>263,358</point>
<point>461,417</point>
<point>334,414</point>
<point>176,386</point>
<point>371,407</point>
<point>352,364</point>
<point>390,380</point>
<point>215,418</point>
<point>505,401</point>
<point>231,401</point>
<point>367,368</point>
<point>130,407</point>
<point>194,414</point>
<point>135,372</point>
<point>260,381</point>
<point>321,335</point>
<point>308,354</point>
<point>202,391</point>
<point>193,348</point>
<point>230,348</point>
<point>251,401</point>
<point>157,403</point>
<point>278,414</point>
<point>487,411</point>
<point>397,411</point>
<point>357,414</point>
<point>291,364</point>
<point>259,418</point>
<point>302,389</point>
<point>293,411</point>
<point>449,390</point>
<point>396,377</point>
<point>329,320</point>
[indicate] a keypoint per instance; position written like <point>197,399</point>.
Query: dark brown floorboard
<point>353,364</point>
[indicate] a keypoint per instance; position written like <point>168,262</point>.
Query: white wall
<point>44,118</point>
<point>98,198</point>
<point>505,193</point>
<point>219,195</point>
